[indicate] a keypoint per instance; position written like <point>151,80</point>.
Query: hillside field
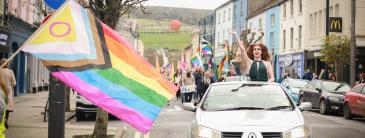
<point>170,40</point>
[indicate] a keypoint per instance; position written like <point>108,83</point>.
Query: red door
<point>353,98</point>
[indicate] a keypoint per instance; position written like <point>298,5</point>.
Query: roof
<point>245,82</point>
<point>265,7</point>
<point>224,4</point>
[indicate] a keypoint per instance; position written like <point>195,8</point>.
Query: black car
<point>327,96</point>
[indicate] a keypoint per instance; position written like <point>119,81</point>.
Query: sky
<point>194,4</point>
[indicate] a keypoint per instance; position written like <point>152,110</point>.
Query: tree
<point>109,12</point>
<point>336,50</point>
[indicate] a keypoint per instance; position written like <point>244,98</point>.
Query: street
<point>174,122</point>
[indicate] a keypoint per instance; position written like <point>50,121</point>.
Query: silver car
<point>248,110</point>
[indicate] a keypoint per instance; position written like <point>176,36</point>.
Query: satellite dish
<point>54,4</point>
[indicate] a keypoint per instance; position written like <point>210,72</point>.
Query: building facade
<point>239,15</point>
<point>272,33</point>
<point>291,53</point>
<point>207,28</point>
<point>315,18</point>
<point>223,23</point>
<point>16,25</point>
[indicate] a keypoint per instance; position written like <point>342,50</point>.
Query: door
<point>354,98</point>
<point>308,91</point>
<point>317,94</point>
<point>362,102</point>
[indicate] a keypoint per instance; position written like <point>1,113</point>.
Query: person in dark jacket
<point>308,75</point>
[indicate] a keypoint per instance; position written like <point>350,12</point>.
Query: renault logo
<point>335,24</point>
<point>252,135</point>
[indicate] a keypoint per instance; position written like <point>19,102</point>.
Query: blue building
<point>240,11</point>
<point>272,32</point>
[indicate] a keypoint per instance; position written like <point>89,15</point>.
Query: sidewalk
<point>27,119</point>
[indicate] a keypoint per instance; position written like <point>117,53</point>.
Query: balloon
<point>54,3</point>
<point>175,25</point>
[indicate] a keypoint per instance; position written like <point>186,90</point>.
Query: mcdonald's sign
<point>335,24</point>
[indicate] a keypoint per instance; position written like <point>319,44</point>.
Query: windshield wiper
<point>241,108</point>
<point>244,85</point>
<point>279,107</point>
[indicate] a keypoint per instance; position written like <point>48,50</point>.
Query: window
<point>234,12</point>
<point>242,10</point>
<point>284,11</point>
<point>250,26</point>
<point>219,18</point>
<point>284,38</point>
<point>337,8</point>
<point>272,40</point>
<point>272,19</point>
<point>260,23</point>
<point>300,6</point>
<point>229,14</point>
<point>300,37</point>
<point>311,25</point>
<point>291,37</point>
<point>331,11</point>
<point>224,36</point>
<point>224,16</point>
<point>291,8</point>
<point>321,23</point>
<point>357,89</point>
<point>315,28</point>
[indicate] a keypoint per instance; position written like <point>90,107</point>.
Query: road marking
<point>176,108</point>
<point>138,135</point>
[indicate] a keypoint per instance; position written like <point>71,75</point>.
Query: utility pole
<point>327,17</point>
<point>56,123</point>
<point>353,44</point>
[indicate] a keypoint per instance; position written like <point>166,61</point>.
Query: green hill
<point>170,40</point>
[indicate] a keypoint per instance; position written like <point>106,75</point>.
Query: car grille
<point>232,134</point>
<point>271,134</point>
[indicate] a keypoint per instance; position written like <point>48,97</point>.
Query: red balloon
<point>175,25</point>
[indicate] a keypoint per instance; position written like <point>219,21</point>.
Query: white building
<point>315,19</point>
<point>256,22</point>
<point>223,23</point>
<point>292,28</point>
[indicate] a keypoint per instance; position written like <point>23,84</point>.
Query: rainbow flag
<point>99,64</point>
<point>196,61</point>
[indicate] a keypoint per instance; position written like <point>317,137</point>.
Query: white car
<point>248,110</point>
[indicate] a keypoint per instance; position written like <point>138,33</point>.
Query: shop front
<point>313,61</point>
<point>292,63</point>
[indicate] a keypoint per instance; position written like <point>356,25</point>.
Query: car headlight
<point>334,99</point>
<point>204,132</point>
<point>298,132</point>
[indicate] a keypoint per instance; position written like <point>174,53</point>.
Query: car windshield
<point>335,86</point>
<point>246,96</point>
<point>298,83</point>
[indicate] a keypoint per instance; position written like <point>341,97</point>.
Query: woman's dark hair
<point>265,52</point>
<point>188,74</point>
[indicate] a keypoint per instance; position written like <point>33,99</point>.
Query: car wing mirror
<point>305,106</point>
<point>189,106</point>
<point>319,90</point>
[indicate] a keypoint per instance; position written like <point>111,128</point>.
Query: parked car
<point>247,109</point>
<point>83,107</point>
<point>293,86</point>
<point>354,102</point>
<point>325,95</point>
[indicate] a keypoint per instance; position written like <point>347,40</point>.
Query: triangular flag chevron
<point>69,37</point>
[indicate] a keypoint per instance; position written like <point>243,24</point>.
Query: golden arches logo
<point>335,24</point>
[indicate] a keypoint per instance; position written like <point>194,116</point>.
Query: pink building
<point>23,9</point>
